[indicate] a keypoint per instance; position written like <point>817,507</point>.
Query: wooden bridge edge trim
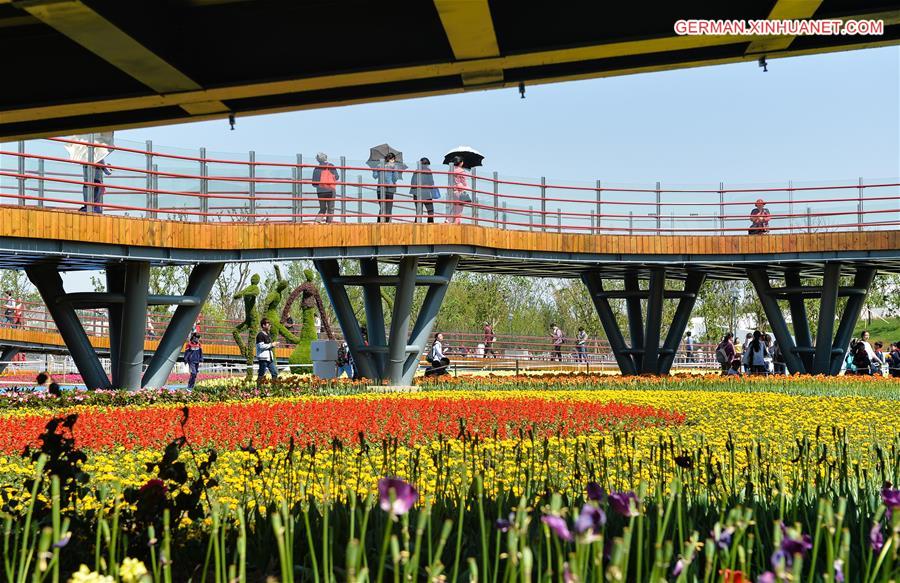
<point>34,223</point>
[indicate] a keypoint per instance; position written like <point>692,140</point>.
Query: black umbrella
<point>377,154</point>
<point>470,156</point>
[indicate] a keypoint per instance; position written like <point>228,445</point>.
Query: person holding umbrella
<point>460,159</point>
<point>387,177</point>
<point>459,193</point>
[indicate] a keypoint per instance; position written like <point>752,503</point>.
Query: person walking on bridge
<point>459,193</point>
<point>421,187</point>
<point>9,308</point>
<point>387,176</point>
<point>488,339</point>
<point>558,338</point>
<point>325,178</point>
<point>759,219</point>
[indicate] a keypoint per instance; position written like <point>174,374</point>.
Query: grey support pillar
<point>680,320</point>
<point>434,297</point>
<point>374,312</point>
<point>128,367</point>
<point>403,300</point>
<point>800,320</point>
<point>115,284</point>
<point>329,270</point>
<point>760,280</point>
<point>400,351</point>
<point>862,282</point>
<point>6,355</point>
<point>827,312</point>
<point>635,317</point>
<point>178,330</point>
<point>655,298</point>
<point>594,284</point>
<point>49,284</point>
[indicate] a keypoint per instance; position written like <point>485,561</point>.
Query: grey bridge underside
<point>18,253</point>
<point>394,358</point>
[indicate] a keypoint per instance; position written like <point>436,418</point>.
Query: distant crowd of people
<point>760,354</point>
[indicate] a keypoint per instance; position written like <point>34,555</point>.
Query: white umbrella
<point>80,152</point>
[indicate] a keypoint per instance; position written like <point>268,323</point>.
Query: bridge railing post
<point>343,189</point>
<point>790,206</point>
<point>359,193</point>
<point>721,209</point>
<point>148,164</point>
<point>204,187</point>
<point>658,209</point>
<point>599,207</point>
<point>295,189</point>
<point>474,196</point>
<point>808,220</point>
<point>631,222</point>
<point>252,186</point>
<point>21,172</point>
<point>497,203</point>
<point>543,203</point>
<point>861,217</point>
<point>40,186</point>
<point>154,191</point>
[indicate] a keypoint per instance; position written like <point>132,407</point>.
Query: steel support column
<point>400,317</point>
<point>594,284</point>
<point>200,283</point>
<point>635,317</point>
<point>434,297</point>
<point>653,331</point>
<point>49,284</point>
<point>680,321</point>
<point>862,280</point>
<point>800,320</point>
<point>130,363</point>
<point>374,312</point>
<point>401,350</point>
<point>6,355</point>
<point>760,280</point>
<point>329,269</point>
<point>115,284</point>
<point>831,281</point>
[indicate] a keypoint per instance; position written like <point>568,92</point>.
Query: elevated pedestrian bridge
<point>194,210</point>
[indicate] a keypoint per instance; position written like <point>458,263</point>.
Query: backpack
<point>326,179</point>
<point>343,358</point>
<point>860,356</point>
<point>721,355</point>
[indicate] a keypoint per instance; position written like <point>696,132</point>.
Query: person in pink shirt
<point>459,193</point>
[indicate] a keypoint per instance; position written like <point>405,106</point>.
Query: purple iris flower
<point>405,496</point>
<point>890,497</point>
<point>767,577</point>
<point>838,571</point>
<point>793,546</point>
<point>503,525</point>
<point>568,575</point>
<point>594,492</point>
<point>621,502</point>
<point>558,526</point>
<point>876,539</point>
<point>723,540</point>
<point>63,541</point>
<point>590,520</point>
<point>678,568</point>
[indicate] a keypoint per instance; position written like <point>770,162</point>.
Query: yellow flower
<point>85,575</point>
<point>133,571</point>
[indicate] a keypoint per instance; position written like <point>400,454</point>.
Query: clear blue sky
<point>832,116</point>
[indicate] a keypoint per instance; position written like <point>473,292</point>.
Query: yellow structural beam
<point>784,10</point>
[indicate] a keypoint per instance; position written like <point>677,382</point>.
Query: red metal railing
<point>199,188</point>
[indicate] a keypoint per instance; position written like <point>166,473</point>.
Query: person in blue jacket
<point>193,356</point>
<point>387,177</point>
